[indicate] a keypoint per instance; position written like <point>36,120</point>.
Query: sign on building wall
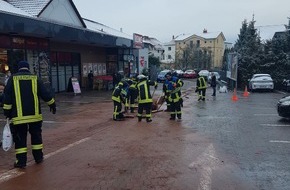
<point>232,62</point>
<point>137,41</point>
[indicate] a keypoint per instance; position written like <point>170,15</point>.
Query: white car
<point>261,82</point>
<point>204,73</point>
<point>179,73</point>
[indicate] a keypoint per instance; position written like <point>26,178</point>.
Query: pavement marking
<point>275,125</point>
<point>47,121</point>
<point>274,141</point>
<point>265,114</point>
<point>17,172</point>
<point>206,162</point>
<point>57,122</point>
<point>75,102</point>
<point>66,147</point>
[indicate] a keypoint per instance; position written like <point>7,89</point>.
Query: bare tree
<point>193,57</point>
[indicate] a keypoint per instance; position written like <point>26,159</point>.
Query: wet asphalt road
<point>219,144</point>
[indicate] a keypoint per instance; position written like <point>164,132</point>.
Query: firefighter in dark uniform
<point>132,94</point>
<point>172,87</point>
<point>144,97</point>
<point>22,105</point>
<point>119,96</point>
<point>201,87</point>
<point>167,88</point>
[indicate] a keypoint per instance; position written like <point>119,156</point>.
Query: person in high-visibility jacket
<point>132,94</point>
<point>21,104</point>
<point>201,87</point>
<point>119,96</point>
<point>144,97</point>
<point>172,87</point>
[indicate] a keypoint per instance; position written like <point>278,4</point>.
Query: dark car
<point>286,84</point>
<point>283,107</point>
<point>161,75</point>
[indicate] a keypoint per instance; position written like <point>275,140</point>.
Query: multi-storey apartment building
<point>212,43</point>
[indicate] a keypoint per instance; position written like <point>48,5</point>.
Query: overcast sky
<point>164,18</point>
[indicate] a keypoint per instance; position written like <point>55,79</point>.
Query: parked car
<point>286,84</point>
<point>179,73</point>
<point>189,74</point>
<point>161,75</point>
<point>204,73</point>
<point>283,107</point>
<point>217,75</point>
<point>261,82</point>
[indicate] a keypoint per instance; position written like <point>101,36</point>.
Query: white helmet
<point>141,77</point>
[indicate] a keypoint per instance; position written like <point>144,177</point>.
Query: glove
<point>52,108</point>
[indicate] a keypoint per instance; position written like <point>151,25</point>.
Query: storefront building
<point>58,51</point>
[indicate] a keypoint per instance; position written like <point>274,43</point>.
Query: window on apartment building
<point>205,42</point>
<point>217,41</point>
<point>169,56</point>
<point>198,43</point>
<point>209,41</point>
<point>191,44</point>
<point>169,48</point>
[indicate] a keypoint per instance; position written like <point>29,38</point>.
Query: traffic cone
<point>246,93</point>
<point>235,97</point>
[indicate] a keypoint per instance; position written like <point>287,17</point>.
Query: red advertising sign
<point>142,61</point>
<point>137,41</point>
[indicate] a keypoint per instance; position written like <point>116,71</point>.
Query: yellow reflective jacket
<point>144,95</point>
<point>22,97</point>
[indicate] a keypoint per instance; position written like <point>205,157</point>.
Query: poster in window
<point>104,69</point>
<point>100,69</point>
<point>85,70</point>
<point>90,67</point>
<point>44,70</point>
<point>95,67</point>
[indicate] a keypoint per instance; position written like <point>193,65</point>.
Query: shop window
<point>18,43</point>
<point>3,61</point>
<point>14,56</point>
<point>5,41</point>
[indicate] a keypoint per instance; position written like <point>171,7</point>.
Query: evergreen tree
<point>249,48</point>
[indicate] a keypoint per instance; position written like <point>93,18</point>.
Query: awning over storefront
<point>27,26</point>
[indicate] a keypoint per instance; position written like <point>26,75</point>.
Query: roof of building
<point>268,32</point>
<point>6,7</point>
<point>154,42</point>
<point>95,26</point>
<point>209,35</point>
<point>171,43</point>
<point>32,7</point>
<point>182,37</point>
<point>205,35</point>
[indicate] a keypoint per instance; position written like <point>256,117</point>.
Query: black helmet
<point>168,74</point>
